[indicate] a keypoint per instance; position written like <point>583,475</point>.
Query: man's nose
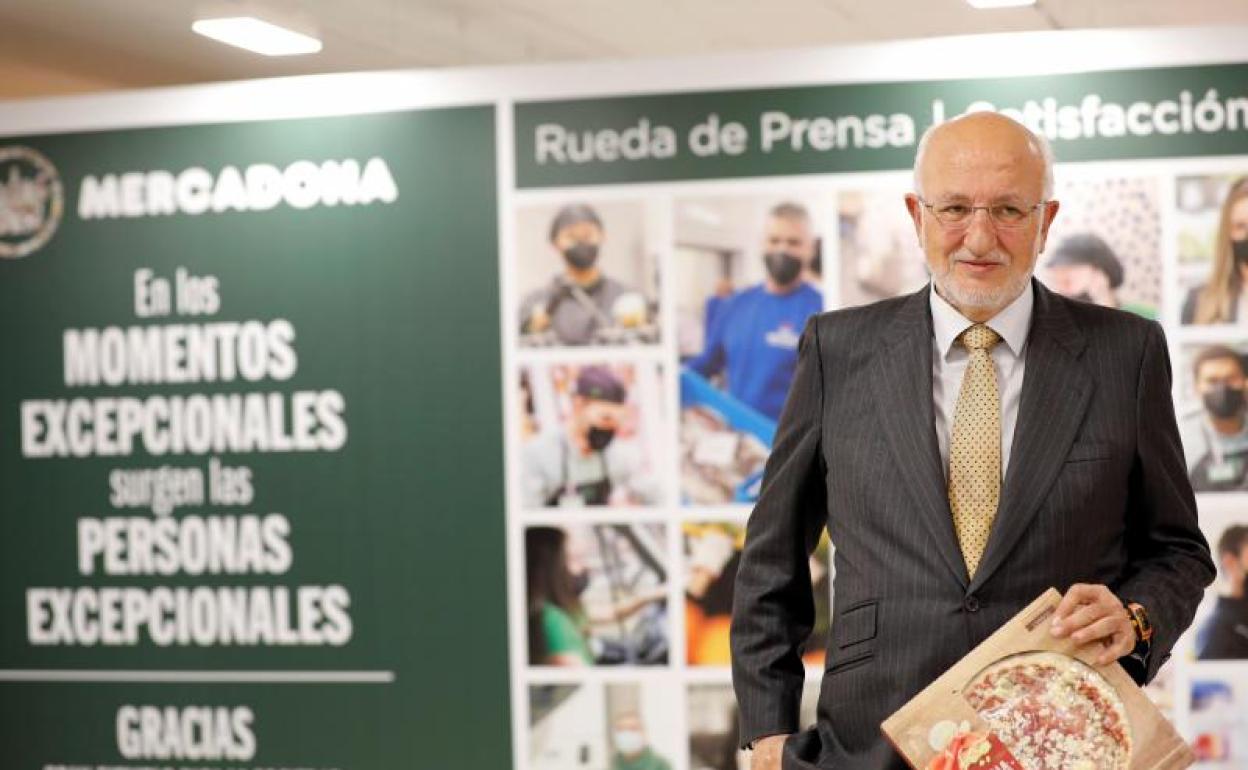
<point>981,234</point>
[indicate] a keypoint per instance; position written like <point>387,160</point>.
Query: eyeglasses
<point>1003,215</point>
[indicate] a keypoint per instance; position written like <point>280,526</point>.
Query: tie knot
<point>979,337</point>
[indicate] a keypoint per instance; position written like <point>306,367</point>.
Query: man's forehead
<point>1078,268</point>
<point>968,164</point>
<point>787,225</point>
<point>1220,366</point>
<point>603,407</point>
<point>984,151</point>
<point>576,228</point>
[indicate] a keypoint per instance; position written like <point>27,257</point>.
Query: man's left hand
<point>1089,613</point>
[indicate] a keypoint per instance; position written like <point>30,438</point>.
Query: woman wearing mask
<point>559,623</point>
<point>1223,299</point>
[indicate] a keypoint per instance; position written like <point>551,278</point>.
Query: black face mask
<point>599,438</point>
<point>580,581</point>
<point>782,266</point>
<point>582,256</point>
<point>1239,249</point>
<point>1224,401</point>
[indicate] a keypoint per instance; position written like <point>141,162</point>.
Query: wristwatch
<point>1143,635</point>
<point>1139,620</point>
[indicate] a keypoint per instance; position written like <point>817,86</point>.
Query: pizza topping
<point>1053,712</point>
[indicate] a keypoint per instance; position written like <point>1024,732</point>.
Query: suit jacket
<point>1096,492</point>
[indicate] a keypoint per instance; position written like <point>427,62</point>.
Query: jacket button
<point>970,604</point>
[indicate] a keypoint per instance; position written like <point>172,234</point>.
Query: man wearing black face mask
<point>1225,635</point>
<point>1085,268</point>
<point>752,340</point>
<point>585,463</point>
<point>1217,441</point>
<point>581,301</point>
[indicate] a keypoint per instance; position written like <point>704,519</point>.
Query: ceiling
<point>70,46</point>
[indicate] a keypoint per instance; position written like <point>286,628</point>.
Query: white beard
<point>985,301</point>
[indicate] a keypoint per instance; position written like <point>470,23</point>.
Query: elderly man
<point>967,447</point>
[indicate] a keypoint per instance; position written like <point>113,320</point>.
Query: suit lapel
<point>903,371</point>
<point>1056,392</point>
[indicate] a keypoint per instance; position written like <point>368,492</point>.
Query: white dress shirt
<point>949,364</point>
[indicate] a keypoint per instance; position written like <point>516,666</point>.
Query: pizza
<point>1052,712</point>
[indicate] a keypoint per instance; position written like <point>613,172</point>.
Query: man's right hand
<point>767,752</point>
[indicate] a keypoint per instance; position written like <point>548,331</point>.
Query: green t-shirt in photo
<point>646,760</point>
<point>563,634</point>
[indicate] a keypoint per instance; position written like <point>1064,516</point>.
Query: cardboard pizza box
<point>1023,696</point>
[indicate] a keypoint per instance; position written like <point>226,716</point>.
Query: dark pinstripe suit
<point>1096,492</point>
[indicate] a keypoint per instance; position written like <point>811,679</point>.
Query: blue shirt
<point>753,340</point>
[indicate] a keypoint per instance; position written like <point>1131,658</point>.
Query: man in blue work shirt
<point>752,339</point>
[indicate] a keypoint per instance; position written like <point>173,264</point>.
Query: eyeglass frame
<point>987,209</point>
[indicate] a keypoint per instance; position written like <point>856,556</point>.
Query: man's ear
<point>915,207</point>
<point>1049,212</point>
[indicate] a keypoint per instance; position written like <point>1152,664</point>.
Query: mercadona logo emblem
<point>31,201</point>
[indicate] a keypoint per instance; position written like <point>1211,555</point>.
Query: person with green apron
<point>1219,376</point>
<point>632,752</point>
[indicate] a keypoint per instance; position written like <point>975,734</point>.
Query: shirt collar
<point>1012,323</point>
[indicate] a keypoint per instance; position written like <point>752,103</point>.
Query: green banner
<point>250,446</point>
<point>1146,113</point>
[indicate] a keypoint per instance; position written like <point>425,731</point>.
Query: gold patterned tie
<point>975,451</point>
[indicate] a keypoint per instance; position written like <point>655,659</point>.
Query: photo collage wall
<point>651,335</point>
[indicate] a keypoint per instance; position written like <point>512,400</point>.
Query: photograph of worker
<point>591,435</point>
<point>1220,629</point>
<point>1213,415</point>
<point>605,726</point>
<point>747,275</point>
<point>712,553</point>
<point>1105,247</point>
<point>1216,725</point>
<point>714,739</point>
<point>597,595</point>
<point>1211,219</point>
<point>586,273</point>
<point>879,251</point>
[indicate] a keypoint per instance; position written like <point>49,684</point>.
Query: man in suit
<point>967,447</point>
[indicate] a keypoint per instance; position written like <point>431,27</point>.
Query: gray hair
<point>1038,142</point>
